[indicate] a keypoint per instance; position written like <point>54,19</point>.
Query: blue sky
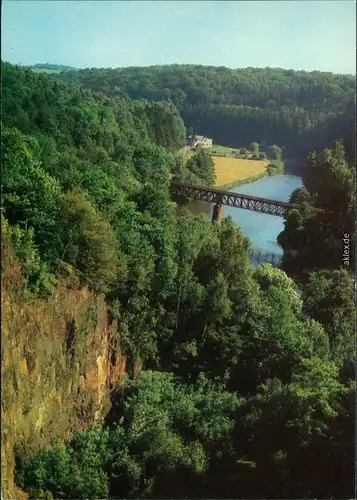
<point>288,34</point>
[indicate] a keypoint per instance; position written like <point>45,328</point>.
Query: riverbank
<point>240,182</point>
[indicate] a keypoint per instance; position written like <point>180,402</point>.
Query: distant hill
<point>299,110</point>
<point>51,68</point>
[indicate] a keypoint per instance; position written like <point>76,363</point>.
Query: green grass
<point>216,148</point>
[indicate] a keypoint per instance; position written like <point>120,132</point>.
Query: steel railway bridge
<point>228,198</point>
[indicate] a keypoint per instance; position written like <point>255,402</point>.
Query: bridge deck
<point>238,200</point>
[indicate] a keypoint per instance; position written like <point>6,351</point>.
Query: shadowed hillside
<point>299,110</point>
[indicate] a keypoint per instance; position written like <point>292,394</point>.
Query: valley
<point>148,352</point>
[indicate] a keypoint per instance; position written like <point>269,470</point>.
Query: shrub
<point>275,167</point>
<point>75,470</point>
<point>38,278</point>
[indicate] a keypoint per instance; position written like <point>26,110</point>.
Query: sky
<point>302,35</point>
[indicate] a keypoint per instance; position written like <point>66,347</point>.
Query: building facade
<point>200,140</point>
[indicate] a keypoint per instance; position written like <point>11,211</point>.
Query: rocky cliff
<point>60,359</point>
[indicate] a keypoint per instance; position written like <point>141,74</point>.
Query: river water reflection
<point>262,229</point>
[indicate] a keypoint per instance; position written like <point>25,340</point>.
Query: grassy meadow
<point>231,171</point>
<point>221,150</point>
<point>187,153</point>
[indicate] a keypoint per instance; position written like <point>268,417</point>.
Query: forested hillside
<point>53,67</point>
<point>294,109</point>
<point>235,386</point>
<point>329,183</point>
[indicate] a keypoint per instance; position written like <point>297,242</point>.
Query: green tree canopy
<point>89,243</point>
<point>254,147</point>
<point>201,166</point>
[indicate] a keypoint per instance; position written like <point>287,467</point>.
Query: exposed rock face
<point>60,358</point>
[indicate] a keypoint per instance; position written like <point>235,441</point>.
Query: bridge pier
<point>217,215</point>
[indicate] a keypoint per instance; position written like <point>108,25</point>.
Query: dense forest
<point>298,110</point>
<point>238,385</point>
<point>329,183</point>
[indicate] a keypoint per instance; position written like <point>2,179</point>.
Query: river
<point>262,229</point>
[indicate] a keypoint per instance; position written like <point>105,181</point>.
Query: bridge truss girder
<point>246,202</point>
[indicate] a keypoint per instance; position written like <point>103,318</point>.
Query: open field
<point>230,170</point>
<point>186,152</point>
<point>221,149</point>
<point>216,149</point>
